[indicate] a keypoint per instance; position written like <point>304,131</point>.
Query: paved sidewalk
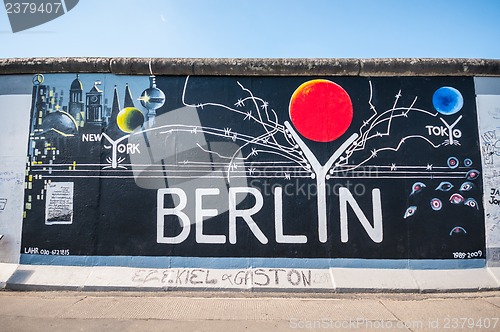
<point>204,311</point>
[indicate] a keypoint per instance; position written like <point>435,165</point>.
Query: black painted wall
<point>208,133</point>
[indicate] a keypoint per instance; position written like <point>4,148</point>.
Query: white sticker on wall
<point>59,203</point>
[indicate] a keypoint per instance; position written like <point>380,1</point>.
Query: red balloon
<point>321,110</point>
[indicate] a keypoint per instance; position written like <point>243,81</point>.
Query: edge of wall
<point>340,279</point>
<point>254,67</point>
<point>333,280</point>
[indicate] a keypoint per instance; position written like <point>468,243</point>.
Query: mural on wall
<point>343,167</point>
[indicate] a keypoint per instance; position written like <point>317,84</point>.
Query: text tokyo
<point>203,212</point>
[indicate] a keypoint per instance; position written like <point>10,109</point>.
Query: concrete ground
<point>239,311</point>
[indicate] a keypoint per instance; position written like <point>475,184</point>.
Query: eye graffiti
<point>466,186</point>
<point>472,174</point>
<point>410,211</point>
<point>456,199</point>
<point>471,202</point>
<point>453,162</point>
<point>437,199</point>
<point>417,187</point>
<point>458,230</point>
<point>436,204</point>
<point>444,186</point>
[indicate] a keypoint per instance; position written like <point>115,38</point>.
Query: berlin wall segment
<point>273,167</point>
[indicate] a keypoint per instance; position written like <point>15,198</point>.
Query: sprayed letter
<point>375,232</point>
<point>245,214</point>
<point>278,221</point>
<point>176,211</point>
<point>200,213</point>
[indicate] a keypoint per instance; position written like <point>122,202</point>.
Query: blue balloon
<point>447,100</point>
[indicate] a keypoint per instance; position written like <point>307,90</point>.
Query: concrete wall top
<point>255,67</point>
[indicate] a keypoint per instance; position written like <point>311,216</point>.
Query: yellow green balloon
<point>129,118</point>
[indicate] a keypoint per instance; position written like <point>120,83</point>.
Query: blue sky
<point>264,28</point>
